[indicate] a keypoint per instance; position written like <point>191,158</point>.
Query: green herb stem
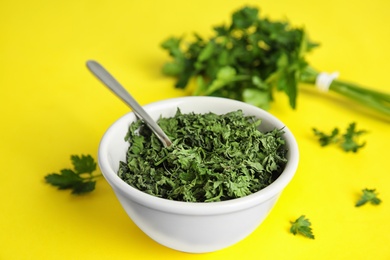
<point>376,100</point>
<point>93,177</point>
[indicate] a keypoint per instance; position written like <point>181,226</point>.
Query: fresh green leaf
<point>302,226</point>
<point>80,180</point>
<point>225,75</point>
<point>83,164</point>
<point>213,157</point>
<point>207,52</point>
<point>326,139</point>
<point>172,69</point>
<point>369,195</point>
<point>256,97</point>
<point>83,187</point>
<point>66,179</point>
<point>172,45</point>
<point>245,18</point>
<point>347,141</point>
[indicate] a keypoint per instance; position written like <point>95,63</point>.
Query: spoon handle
<point>101,73</point>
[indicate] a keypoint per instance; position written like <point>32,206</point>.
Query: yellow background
<point>52,107</point>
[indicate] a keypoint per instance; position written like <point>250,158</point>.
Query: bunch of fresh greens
<point>250,58</point>
<point>212,158</point>
<point>347,141</point>
<point>80,179</point>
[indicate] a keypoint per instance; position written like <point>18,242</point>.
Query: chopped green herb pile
<point>347,141</point>
<point>369,195</point>
<point>80,180</point>
<point>250,58</point>
<point>302,226</point>
<point>212,158</point>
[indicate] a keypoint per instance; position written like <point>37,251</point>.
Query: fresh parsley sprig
<point>348,141</point>
<point>252,57</point>
<point>369,195</point>
<point>302,226</point>
<point>80,179</point>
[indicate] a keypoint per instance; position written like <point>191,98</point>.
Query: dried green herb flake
<point>213,157</point>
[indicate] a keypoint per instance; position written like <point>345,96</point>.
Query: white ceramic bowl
<point>187,226</point>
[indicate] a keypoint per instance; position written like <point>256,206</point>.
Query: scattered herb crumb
<point>212,158</point>
<point>369,195</point>
<point>302,226</point>
<point>80,179</point>
<point>347,141</point>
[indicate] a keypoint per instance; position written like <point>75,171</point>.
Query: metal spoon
<point>104,76</point>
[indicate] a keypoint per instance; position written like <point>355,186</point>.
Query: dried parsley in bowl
<point>213,157</point>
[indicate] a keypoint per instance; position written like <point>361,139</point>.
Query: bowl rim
<point>198,208</point>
